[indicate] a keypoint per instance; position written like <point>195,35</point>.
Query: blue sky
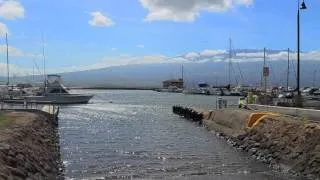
<point>140,28</point>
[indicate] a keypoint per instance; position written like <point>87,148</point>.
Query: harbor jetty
<point>29,147</point>
<point>287,143</point>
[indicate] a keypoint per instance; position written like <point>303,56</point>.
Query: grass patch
<point>4,120</point>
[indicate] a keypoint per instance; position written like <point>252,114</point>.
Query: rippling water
<point>133,134</point>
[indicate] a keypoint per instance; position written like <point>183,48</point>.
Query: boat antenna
<point>8,72</point>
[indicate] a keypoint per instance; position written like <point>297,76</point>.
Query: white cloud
<point>208,52</point>
<point>114,49</point>
<point>3,29</point>
<point>14,70</point>
<point>250,55</point>
<point>11,9</point>
<point>186,10</point>
<point>140,46</point>
<point>192,55</point>
<point>100,20</point>
<point>216,56</point>
<point>15,52</point>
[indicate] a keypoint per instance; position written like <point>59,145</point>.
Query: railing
<point>48,107</point>
<point>222,103</point>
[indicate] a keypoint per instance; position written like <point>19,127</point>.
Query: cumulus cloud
<point>192,55</point>
<point>208,52</point>
<point>140,46</point>
<point>186,10</point>
<point>213,56</point>
<point>100,20</point>
<point>3,29</point>
<point>11,9</point>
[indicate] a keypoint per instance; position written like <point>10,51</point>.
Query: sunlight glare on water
<point>137,136</point>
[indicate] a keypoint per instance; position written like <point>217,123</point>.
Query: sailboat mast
<point>182,72</point>
<point>44,61</point>
<point>182,75</point>
<point>288,69</point>
<point>264,65</point>
<point>8,72</point>
<point>33,71</point>
<point>230,61</point>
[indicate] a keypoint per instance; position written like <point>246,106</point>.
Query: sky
<point>91,34</point>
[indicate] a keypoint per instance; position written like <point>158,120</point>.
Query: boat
<point>53,92</point>
<point>170,89</point>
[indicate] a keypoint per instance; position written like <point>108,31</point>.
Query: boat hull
<point>53,99</point>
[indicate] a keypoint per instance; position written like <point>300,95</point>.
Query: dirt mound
<point>289,142</point>
<point>28,146</point>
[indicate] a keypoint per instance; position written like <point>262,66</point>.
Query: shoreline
<point>29,146</point>
<point>283,142</point>
<point>115,88</point>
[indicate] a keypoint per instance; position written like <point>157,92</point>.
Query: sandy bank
<point>28,146</point>
<point>288,143</point>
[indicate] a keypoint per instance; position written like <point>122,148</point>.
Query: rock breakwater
<point>28,146</point>
<point>283,142</point>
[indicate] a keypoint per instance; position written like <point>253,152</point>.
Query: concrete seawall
<point>28,145</point>
<point>311,114</point>
<point>283,142</point>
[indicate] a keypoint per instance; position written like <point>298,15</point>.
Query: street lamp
<point>302,7</point>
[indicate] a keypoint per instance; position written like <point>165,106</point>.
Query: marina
<point>174,90</point>
<point>137,136</point>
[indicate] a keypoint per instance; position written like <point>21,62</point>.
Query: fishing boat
<point>53,92</point>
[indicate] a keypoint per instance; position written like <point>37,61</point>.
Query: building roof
<point>173,81</point>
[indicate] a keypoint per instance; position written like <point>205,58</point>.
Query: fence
<point>49,108</point>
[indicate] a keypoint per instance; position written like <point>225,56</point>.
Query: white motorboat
<point>53,92</point>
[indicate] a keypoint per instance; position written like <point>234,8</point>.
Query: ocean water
<point>134,135</point>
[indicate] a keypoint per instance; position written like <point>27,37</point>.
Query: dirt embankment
<point>291,145</point>
<point>28,146</point>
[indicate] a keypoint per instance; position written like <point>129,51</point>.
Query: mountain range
<point>211,66</point>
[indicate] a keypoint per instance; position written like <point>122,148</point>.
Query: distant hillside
<point>214,73</point>
<point>210,66</point>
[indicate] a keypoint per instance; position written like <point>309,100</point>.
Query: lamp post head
<point>303,5</point>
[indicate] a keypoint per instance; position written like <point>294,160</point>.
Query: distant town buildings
<point>173,82</point>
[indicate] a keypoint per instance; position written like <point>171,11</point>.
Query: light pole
<point>302,7</point>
